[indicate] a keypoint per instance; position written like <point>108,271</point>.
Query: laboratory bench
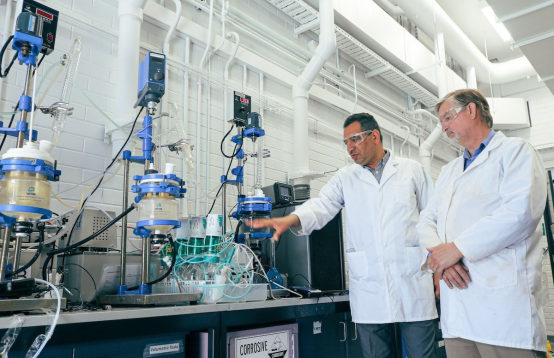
<point>317,328</point>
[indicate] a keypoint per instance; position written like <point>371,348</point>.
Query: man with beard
<point>485,215</point>
<point>383,196</point>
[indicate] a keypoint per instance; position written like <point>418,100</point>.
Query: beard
<point>454,139</point>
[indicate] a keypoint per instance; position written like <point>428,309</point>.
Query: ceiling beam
<point>526,11</point>
<point>533,39</point>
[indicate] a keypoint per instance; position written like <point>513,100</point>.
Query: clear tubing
<point>70,76</point>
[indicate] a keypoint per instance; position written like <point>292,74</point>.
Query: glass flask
<point>158,206</point>
<point>26,189</point>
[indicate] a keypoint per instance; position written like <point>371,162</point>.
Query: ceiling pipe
<point>460,47</point>
<point>426,148</point>
<point>326,48</point>
<point>393,10</point>
<point>130,14</point>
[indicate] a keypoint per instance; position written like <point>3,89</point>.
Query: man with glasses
<point>383,196</point>
<point>484,218</point>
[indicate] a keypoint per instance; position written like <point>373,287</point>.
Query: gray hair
<point>463,97</point>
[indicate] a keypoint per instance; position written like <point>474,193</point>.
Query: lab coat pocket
<point>414,259</point>
<point>357,264</point>
<point>496,271</point>
<point>403,192</point>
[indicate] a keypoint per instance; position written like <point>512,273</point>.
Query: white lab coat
<point>386,283</point>
<point>491,211</point>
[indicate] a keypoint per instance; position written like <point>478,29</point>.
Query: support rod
<point>123,247</point>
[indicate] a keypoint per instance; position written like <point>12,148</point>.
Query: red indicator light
<point>45,14</point>
<point>244,100</point>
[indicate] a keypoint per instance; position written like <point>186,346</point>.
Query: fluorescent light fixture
<point>498,26</point>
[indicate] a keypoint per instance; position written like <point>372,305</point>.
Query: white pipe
<point>178,11</point>
<point>461,48</point>
<point>197,149</point>
<point>405,139</point>
<point>233,54</point>
<point>471,77</point>
<point>224,8</point>
<point>186,80</point>
<point>5,35</point>
<point>209,40</point>
<point>353,67</point>
<point>426,147</point>
<point>424,112</point>
<point>441,69</point>
<point>130,14</point>
<point>326,47</point>
<point>393,10</point>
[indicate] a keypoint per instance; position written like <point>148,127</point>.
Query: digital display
<point>244,100</point>
<point>285,191</point>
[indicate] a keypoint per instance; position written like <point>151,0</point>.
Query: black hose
<point>52,253</point>
<point>40,227</point>
<point>91,237</point>
<point>2,75</point>
<point>168,272</point>
<point>237,230</point>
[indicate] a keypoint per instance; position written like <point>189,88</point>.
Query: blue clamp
<point>19,127</point>
<point>253,133</point>
<point>35,42</point>
<point>37,166</point>
<point>141,231</point>
<point>142,290</point>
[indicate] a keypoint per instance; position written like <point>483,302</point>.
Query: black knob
<point>158,76</point>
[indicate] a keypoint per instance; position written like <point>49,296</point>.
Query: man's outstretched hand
<point>279,224</point>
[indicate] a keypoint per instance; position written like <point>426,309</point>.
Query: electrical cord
<point>52,253</point>
<point>102,177</point>
<point>2,75</point>
<point>93,236</point>
<point>40,227</point>
<point>235,152</point>
<point>92,278</point>
<point>226,176</point>
<point>169,270</point>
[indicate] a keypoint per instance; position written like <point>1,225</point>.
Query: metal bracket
<point>306,27</point>
<point>377,71</point>
<point>55,107</point>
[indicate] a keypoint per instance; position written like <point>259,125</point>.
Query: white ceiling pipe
<point>130,14</point>
<point>390,8</point>
<point>178,11</point>
<point>425,149</point>
<point>164,106</point>
<point>326,47</point>
<point>460,47</point>
<point>471,77</point>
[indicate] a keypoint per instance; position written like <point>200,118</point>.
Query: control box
<point>151,84</point>
<point>280,193</point>
<point>239,107</point>
<point>49,23</point>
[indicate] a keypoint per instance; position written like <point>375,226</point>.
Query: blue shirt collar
<point>481,147</point>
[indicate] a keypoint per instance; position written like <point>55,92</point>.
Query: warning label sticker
<point>270,345</point>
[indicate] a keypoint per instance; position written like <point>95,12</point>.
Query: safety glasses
<point>450,115</point>
<point>357,138</point>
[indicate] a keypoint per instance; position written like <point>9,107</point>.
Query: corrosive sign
<point>269,345</point>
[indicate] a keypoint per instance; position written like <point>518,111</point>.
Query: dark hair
<point>367,122</point>
<point>463,97</point>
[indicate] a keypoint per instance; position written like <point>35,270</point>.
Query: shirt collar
<point>481,147</point>
<point>382,162</point>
